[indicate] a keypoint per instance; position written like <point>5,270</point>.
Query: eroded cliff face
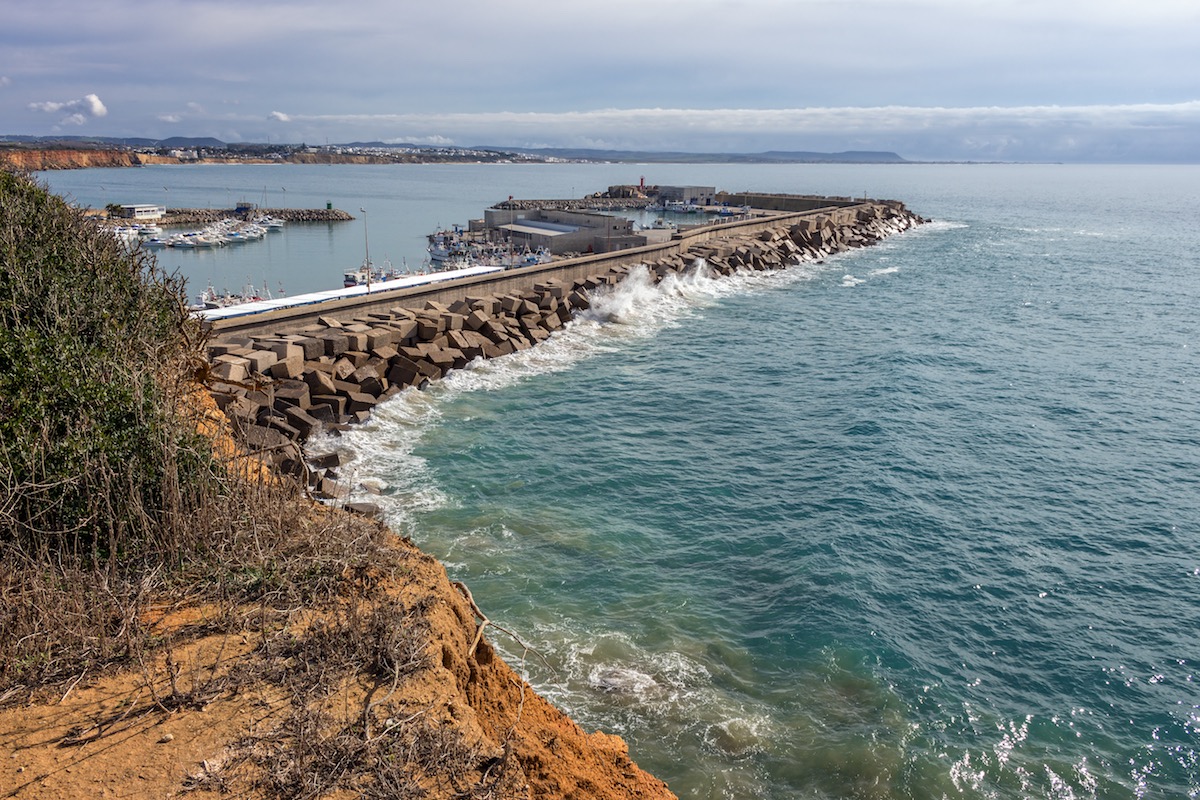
<point>36,159</point>
<point>387,685</point>
<point>33,160</point>
<point>268,714</point>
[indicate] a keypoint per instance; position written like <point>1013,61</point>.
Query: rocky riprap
<point>205,216</point>
<point>280,390</point>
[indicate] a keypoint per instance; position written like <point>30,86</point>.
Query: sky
<point>940,80</point>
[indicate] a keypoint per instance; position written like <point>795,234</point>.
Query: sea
<point>919,521</point>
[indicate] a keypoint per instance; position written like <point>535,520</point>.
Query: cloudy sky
<point>1039,80</point>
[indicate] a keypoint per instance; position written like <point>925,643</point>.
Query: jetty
<point>282,372</point>
<point>204,216</point>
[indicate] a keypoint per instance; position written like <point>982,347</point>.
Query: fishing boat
<point>368,273</point>
<point>210,298</point>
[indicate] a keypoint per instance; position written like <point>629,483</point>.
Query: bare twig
<point>484,622</point>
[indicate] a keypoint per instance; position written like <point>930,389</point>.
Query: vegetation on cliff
<point>174,617</point>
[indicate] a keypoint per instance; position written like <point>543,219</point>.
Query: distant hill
<point>563,153</point>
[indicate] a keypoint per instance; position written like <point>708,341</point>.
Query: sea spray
<point>635,308</point>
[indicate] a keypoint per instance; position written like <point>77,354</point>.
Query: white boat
<point>209,298</point>
<point>368,273</point>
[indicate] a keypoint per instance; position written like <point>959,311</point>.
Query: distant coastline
<point>36,153</point>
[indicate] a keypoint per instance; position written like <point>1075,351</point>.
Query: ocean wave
<point>380,458</point>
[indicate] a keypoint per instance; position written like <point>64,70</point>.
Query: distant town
<point>18,151</point>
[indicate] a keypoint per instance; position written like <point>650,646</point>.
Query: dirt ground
<point>215,714</point>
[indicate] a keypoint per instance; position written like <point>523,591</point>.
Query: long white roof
<point>408,281</point>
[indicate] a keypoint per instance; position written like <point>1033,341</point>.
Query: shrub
<point>94,347</point>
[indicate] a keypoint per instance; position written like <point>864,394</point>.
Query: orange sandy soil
<point>214,709</point>
<point>135,735</point>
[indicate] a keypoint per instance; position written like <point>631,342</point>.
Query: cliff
<point>35,159</point>
<point>384,687</point>
<point>243,714</point>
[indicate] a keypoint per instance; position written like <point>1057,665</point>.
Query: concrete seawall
<point>283,375</point>
<point>295,319</point>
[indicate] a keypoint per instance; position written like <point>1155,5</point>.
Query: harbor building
<point>688,195</point>
<point>563,231</point>
<point>143,212</point>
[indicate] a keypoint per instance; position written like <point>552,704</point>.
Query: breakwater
<point>281,380</point>
<point>205,216</point>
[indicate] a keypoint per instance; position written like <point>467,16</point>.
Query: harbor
<point>283,371</point>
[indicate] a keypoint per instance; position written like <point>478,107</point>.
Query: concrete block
<point>406,329</point>
<point>225,348</point>
<point>359,401</point>
<point>261,360</point>
<point>343,368</point>
<point>313,347</point>
<point>404,372</point>
<point>380,337</point>
<point>302,421</point>
<point>284,349</point>
<point>336,343</point>
<point>488,305</point>
<point>259,438</point>
<point>355,357</point>
<point>385,353</point>
<point>291,367</point>
<point>319,382</point>
<point>234,369</point>
<point>291,392</point>
<point>427,329</point>
<point>335,402</point>
<point>475,320</point>
<point>278,422</point>
<point>323,413</point>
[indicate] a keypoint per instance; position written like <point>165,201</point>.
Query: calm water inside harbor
<point>922,521</point>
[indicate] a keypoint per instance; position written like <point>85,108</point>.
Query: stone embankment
<point>593,203</point>
<point>278,390</point>
<point>205,216</point>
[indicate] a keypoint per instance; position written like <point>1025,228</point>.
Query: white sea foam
<point>381,453</point>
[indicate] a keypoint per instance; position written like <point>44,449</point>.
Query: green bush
<point>94,343</point>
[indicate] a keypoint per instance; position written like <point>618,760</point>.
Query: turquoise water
<point>917,522</point>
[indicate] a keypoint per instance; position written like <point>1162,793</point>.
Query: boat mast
<point>366,248</point>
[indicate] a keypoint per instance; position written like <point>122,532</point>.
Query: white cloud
<point>279,116</point>
<point>77,111</point>
<point>5,81</point>
<point>604,124</point>
<point>1139,132</point>
<point>435,140</point>
<point>170,118</point>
